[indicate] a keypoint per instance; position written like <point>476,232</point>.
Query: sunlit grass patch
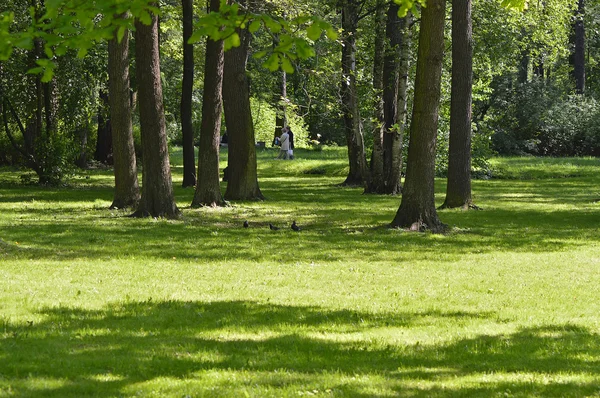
<point>94,303</point>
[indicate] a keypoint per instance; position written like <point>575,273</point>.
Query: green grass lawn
<point>93,303</point>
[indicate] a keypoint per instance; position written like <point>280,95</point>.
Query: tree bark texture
<point>208,189</point>
<point>127,191</point>
<point>395,87</point>
<point>187,129</point>
<point>458,189</point>
<point>357,174</point>
<point>157,189</point>
<point>243,180</point>
<point>417,209</point>
<point>376,183</point>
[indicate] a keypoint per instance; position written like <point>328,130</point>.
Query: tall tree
<point>376,182</point>
<point>578,55</point>
<point>127,191</point>
<point>417,208</point>
<point>395,96</point>
<point>187,129</point>
<point>458,189</point>
<point>208,190</point>
<point>157,188</point>
<point>357,174</point>
<point>243,179</point>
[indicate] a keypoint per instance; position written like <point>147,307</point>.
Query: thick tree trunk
<point>376,182</point>
<point>458,190</point>
<point>127,191</point>
<point>157,188</point>
<point>578,56</point>
<point>208,189</point>
<point>395,95</point>
<point>417,210</point>
<point>187,130</point>
<point>243,181</point>
<point>357,175</point>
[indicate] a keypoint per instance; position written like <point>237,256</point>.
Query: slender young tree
<point>578,55</point>
<point>104,144</point>
<point>208,190</point>
<point>279,99</point>
<point>417,209</point>
<point>187,129</point>
<point>242,183</point>
<point>357,174</point>
<point>458,189</point>
<point>157,188</point>
<point>127,192</point>
<point>376,182</point>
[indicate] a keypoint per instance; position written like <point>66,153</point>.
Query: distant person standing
<point>291,150</point>
<point>285,144</point>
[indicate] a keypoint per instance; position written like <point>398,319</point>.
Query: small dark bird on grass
<point>295,227</point>
<point>273,227</point>
<point>246,224</point>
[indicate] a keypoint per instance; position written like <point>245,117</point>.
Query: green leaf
<point>259,54</point>
<point>254,26</point>
<point>121,33</point>
<point>232,41</point>
<point>332,34</point>
<point>272,25</point>
<point>287,66</point>
<point>313,32</point>
<point>48,51</point>
<point>272,63</point>
<point>47,76</point>
<point>196,37</point>
<point>145,17</point>
<point>304,50</point>
<point>82,52</point>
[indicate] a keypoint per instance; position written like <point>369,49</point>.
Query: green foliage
<point>54,158</point>
<point>264,116</point>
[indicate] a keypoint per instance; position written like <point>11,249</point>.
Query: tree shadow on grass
<point>282,349</point>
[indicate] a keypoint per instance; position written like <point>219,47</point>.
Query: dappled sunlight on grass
<point>129,346</point>
<point>95,303</point>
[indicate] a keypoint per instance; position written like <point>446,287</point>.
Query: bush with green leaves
<point>54,159</point>
<point>571,128</point>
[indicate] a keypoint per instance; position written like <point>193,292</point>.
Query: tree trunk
<point>458,190</point>
<point>395,95</point>
<point>187,130</point>
<point>243,181</point>
<point>82,161</point>
<point>357,175</point>
<point>157,188</point>
<point>280,96</point>
<point>208,189</point>
<point>103,138</point>
<point>578,56</point>
<point>376,182</point>
<point>417,209</point>
<point>127,191</point>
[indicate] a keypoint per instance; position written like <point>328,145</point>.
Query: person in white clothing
<point>285,144</point>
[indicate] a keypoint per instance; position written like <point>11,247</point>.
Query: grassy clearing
<point>96,304</point>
